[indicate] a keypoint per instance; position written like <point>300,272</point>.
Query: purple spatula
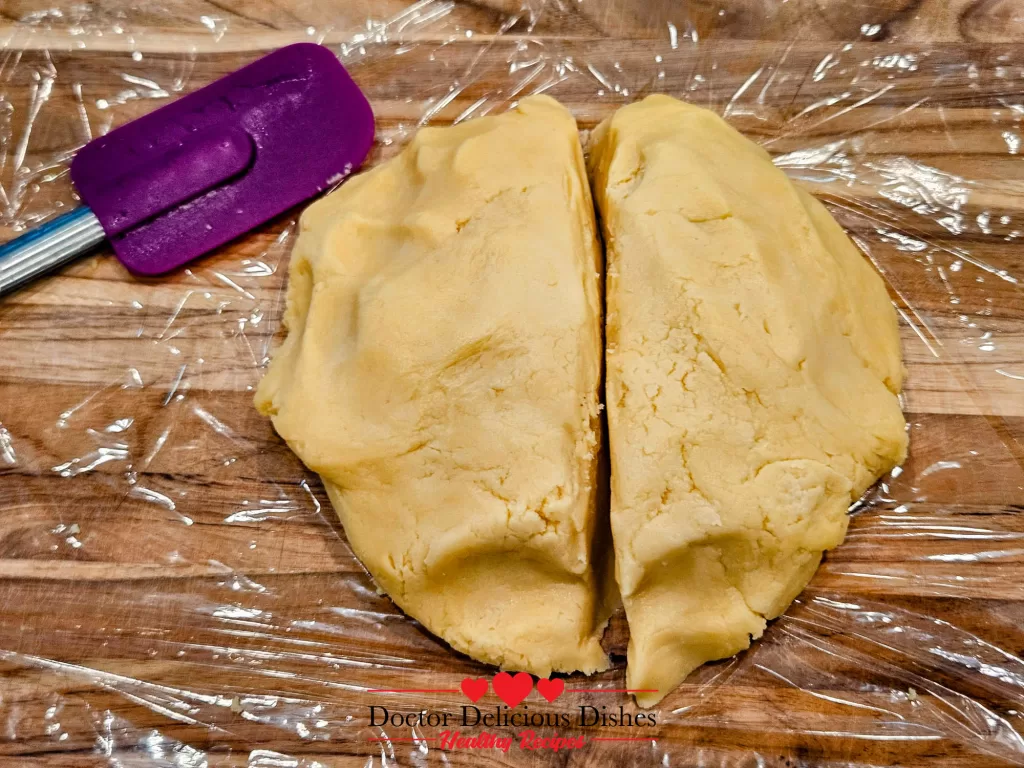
<point>207,168</point>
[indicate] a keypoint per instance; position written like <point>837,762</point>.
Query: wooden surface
<point>173,587</point>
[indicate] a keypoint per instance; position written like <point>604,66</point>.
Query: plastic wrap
<point>174,587</point>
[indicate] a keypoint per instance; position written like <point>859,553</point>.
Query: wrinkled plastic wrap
<point>174,587</point>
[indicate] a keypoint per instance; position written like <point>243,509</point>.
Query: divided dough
<point>443,363</point>
<point>753,363</point>
<point>441,374</point>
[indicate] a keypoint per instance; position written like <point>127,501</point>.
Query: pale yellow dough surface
<point>753,364</point>
<point>441,374</point>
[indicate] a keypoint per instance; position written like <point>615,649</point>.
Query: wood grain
<point>174,589</point>
<point>245,24</point>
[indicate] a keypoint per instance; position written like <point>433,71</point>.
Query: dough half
<point>753,367</point>
<point>441,374</point>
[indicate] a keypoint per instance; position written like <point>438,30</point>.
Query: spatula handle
<point>48,246</point>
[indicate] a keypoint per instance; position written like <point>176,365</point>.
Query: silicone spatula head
<point>209,167</point>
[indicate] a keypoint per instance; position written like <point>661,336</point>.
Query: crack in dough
<point>772,351</point>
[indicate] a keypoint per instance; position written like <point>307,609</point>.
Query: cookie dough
<point>753,369</point>
<point>441,374</point>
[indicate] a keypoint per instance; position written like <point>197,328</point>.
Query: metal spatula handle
<point>48,246</point>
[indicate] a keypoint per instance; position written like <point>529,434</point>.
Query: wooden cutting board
<point>174,589</point>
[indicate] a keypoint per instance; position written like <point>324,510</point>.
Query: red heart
<point>551,689</point>
<point>512,690</point>
<point>474,688</point>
